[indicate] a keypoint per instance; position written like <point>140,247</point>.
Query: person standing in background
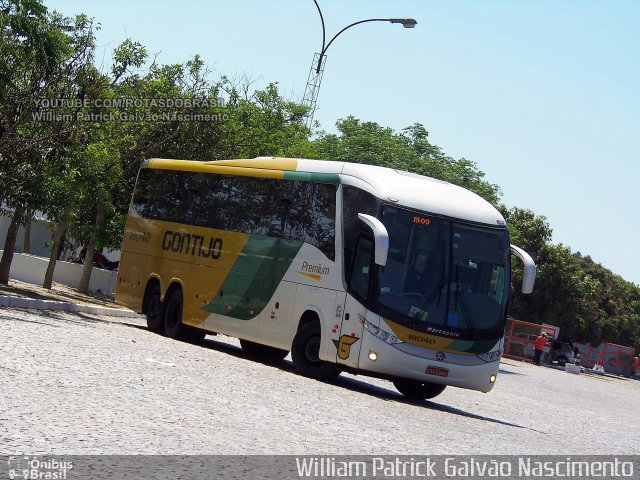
<point>541,341</point>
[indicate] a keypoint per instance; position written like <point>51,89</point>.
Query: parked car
<point>562,352</point>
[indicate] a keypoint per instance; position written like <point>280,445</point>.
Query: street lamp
<point>315,74</point>
<point>405,22</point>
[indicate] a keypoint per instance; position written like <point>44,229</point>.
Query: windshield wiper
<point>465,310</point>
<point>436,291</point>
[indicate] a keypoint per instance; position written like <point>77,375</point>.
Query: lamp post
<point>317,66</point>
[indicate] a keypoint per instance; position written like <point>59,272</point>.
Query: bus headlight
<point>490,356</point>
<point>382,334</point>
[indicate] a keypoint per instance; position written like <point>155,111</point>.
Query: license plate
<point>437,371</point>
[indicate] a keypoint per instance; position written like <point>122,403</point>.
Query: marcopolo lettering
<point>188,244</point>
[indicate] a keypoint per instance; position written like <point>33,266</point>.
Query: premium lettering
<point>317,269</point>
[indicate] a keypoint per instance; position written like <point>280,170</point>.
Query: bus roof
<point>396,186</point>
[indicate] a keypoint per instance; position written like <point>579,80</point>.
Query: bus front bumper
<point>382,358</point>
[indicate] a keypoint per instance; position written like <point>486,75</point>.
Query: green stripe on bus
<point>254,277</point>
<point>312,177</point>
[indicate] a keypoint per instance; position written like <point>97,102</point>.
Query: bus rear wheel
<point>262,351</point>
<point>416,390</point>
<point>173,325</point>
<point>153,309</point>
<point>305,353</point>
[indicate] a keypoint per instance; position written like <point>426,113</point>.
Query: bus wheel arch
<point>152,306</point>
<point>309,316</point>
<point>306,347</point>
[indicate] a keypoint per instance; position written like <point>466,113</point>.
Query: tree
<point>587,301</point>
<point>409,150</point>
<point>41,54</point>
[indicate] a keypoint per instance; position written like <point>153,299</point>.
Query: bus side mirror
<point>380,236</point>
<point>529,267</point>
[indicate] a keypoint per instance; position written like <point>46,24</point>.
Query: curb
<point>37,304</point>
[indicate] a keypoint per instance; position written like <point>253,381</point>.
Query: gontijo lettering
<point>197,245</point>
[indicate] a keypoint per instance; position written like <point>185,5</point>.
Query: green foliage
<point>44,57</point>
<point>261,123</point>
<point>587,301</point>
<point>409,150</point>
<point>527,230</point>
<point>128,54</point>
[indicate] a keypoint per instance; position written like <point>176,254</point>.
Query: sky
<point>544,95</point>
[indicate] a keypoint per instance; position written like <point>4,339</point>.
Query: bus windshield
<point>443,277</point>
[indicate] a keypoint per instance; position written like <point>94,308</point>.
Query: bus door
<point>348,343</point>
<point>354,315</point>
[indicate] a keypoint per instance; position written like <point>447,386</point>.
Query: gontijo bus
<point>347,266</point>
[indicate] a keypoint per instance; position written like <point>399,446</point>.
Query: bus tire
<point>173,326</point>
<point>152,306</point>
<point>263,351</point>
<point>416,390</point>
<point>305,354</point>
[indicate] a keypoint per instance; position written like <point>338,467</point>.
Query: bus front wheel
<point>416,390</point>
<point>305,353</point>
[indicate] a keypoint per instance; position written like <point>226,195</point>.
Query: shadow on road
<point>352,384</point>
<point>4,315</point>
<point>210,342</point>
<point>507,372</point>
<point>57,317</point>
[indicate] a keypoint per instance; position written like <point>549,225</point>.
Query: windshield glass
<point>443,275</point>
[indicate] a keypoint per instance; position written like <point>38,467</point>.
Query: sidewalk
<point>61,297</point>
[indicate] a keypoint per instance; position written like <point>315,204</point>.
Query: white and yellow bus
<point>347,266</point>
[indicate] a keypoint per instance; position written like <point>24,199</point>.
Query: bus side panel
<point>197,258</point>
<point>198,283</point>
<point>130,280</point>
<point>216,322</point>
<point>138,249</point>
<point>277,325</point>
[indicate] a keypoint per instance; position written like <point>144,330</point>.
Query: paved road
<point>81,384</point>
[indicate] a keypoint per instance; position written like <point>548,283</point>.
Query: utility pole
<point>310,98</point>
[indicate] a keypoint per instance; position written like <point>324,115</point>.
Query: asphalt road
<point>81,384</point>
